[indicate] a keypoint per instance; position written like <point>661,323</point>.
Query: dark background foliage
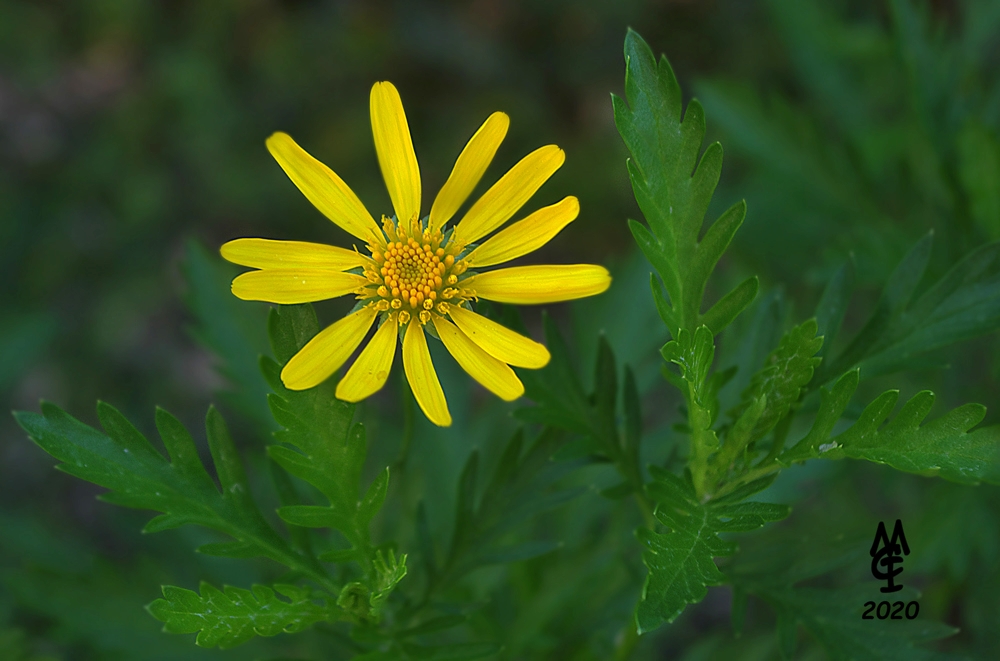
<point>129,129</point>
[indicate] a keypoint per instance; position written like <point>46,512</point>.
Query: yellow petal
<point>324,354</point>
<point>499,341</point>
<point>469,169</point>
<point>546,283</point>
<point>368,373</point>
<point>322,187</point>
<point>495,376</point>
<point>395,150</point>
<point>526,235</point>
<point>509,194</point>
<point>422,377</point>
<point>270,254</point>
<point>291,286</point>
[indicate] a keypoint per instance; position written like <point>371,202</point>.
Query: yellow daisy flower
<point>417,275</point>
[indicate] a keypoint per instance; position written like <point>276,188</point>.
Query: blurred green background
<point>130,129</point>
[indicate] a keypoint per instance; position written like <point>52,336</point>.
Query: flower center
<point>415,273</point>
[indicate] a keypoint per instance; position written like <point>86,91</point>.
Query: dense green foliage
<point>635,504</point>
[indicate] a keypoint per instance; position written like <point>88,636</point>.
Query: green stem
<point>746,478</point>
<point>308,566</point>
<point>647,508</point>
<point>780,434</point>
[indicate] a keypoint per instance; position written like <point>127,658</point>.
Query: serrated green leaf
<point>232,616</point>
<point>137,476</point>
<point>694,354</point>
<point>943,446</point>
<point>288,495</point>
<point>680,562</point>
<point>329,451</point>
<point>833,403</point>
<point>783,377</point>
<point>388,573</point>
<point>673,187</point>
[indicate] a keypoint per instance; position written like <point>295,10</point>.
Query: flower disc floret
<point>414,272</point>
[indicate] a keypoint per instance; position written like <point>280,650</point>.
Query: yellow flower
<point>417,275</point>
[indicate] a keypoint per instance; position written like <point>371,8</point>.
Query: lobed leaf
<point>138,476</point>
<point>681,562</point>
<point>321,445</point>
<point>943,446</point>
<point>783,377</point>
<point>674,187</point>
<point>232,616</point>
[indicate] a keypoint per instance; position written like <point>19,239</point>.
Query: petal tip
<point>276,138</point>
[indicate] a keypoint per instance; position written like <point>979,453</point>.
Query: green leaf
<point>694,354</point>
<point>521,487</point>
<point>673,187</point>
<point>770,570</point>
<point>320,445</point>
<point>389,572</point>
<point>833,617</point>
<point>562,404</point>
<point>898,292</point>
<point>680,562</point>
<point>230,329</point>
<point>232,616</point>
<point>138,476</point>
<point>783,377</point>
<point>943,447</point>
<point>833,403</point>
<point>731,305</point>
<point>963,304</point>
<point>832,306</point>
<point>555,388</point>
